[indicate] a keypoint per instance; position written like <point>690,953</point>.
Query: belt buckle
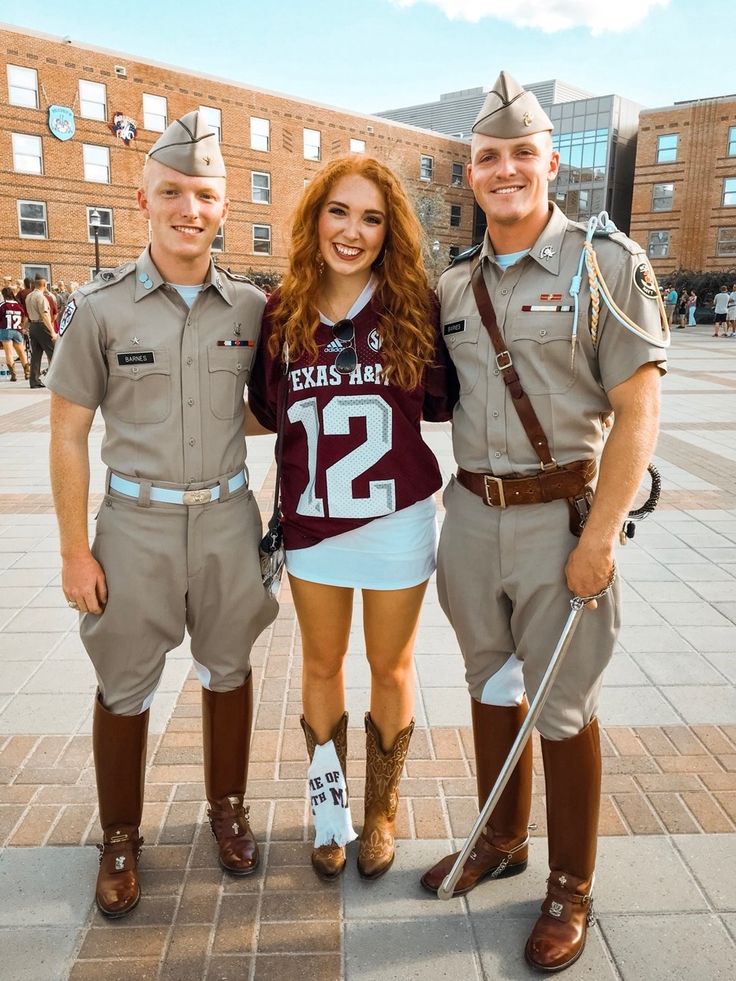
<point>203,496</point>
<point>504,357</point>
<point>498,481</point>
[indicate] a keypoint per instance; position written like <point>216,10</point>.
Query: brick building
<point>684,202</point>
<point>51,184</point>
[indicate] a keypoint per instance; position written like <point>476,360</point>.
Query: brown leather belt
<point>551,485</point>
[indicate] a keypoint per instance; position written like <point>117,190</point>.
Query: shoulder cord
<point>599,290</point>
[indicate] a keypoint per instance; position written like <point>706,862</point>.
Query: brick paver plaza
<point>666,882</point>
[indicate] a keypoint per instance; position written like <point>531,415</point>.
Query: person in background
<point>40,330</point>
<point>720,312</point>
<point>11,335</point>
<point>692,303</point>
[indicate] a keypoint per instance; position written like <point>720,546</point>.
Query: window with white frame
<point>32,221</point>
<point>726,241</point>
<point>260,134</point>
<point>357,146</point>
<point>455,215</point>
<point>262,239</point>
<point>22,86</point>
<point>96,163</point>
<point>667,148</point>
<point>214,120</point>
<point>659,245</point>
<point>312,144</point>
<point>729,192</point>
<point>458,172</point>
<point>731,146</point>
<point>218,242</point>
<point>33,271</point>
<point>662,197</point>
<point>104,229</point>
<point>260,186</point>
<point>27,154</point>
<point>92,100</point>
<point>154,112</point>
<point>426,167</point>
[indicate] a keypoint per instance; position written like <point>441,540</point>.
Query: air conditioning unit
<point>369,129</point>
<point>121,71</point>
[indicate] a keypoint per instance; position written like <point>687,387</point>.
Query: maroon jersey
<point>11,315</point>
<point>352,445</point>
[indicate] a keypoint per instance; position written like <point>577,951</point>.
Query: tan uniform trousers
<point>501,583</point>
<point>168,567</point>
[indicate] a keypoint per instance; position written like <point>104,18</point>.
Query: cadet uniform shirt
<point>569,401</point>
<point>36,304</point>
<point>170,394</point>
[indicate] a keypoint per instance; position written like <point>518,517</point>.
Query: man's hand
<point>588,570</point>
<point>83,582</point>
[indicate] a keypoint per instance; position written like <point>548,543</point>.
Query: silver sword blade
<point>447,888</point>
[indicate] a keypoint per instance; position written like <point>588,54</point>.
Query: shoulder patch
<point>644,280</point>
<point>66,317</point>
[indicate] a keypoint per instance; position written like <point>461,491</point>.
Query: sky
<point>372,55</point>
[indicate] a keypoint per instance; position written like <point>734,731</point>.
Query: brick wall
<point>67,195</point>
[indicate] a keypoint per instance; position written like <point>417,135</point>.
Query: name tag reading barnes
<point>136,357</point>
<point>456,327</point>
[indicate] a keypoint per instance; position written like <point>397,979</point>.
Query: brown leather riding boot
<point>382,776</point>
<point>328,861</point>
<point>502,850</point>
<point>227,718</point>
<point>572,770</point>
<point>119,746</point>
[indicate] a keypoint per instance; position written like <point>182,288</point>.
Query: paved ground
<point>666,890</point>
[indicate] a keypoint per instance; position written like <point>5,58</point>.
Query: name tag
<point>456,327</point>
<point>136,357</point>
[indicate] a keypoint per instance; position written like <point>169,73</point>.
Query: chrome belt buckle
<point>203,496</point>
<point>498,481</point>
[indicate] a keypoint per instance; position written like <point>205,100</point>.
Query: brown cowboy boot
<point>382,776</point>
<point>502,849</point>
<point>328,861</point>
<point>572,770</point>
<point>227,718</point>
<point>119,746</point>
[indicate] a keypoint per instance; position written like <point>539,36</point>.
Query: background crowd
<point>30,313</point>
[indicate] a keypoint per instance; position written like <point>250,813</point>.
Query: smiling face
<point>352,227</point>
<point>510,179</point>
<point>185,215</point>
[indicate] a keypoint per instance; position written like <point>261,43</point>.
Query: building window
<point>104,229</point>
<point>214,120</point>
<point>659,245</point>
<point>457,174</point>
<point>218,243</point>
<point>731,148</point>
<point>729,192</point>
<point>27,154</point>
<point>262,239</point>
<point>92,100</point>
<point>667,148</point>
<point>96,163</point>
<point>260,134</point>
<point>32,272</point>
<point>22,87</point>
<point>260,186</point>
<point>455,215</point>
<point>312,148</point>
<point>32,219</point>
<point>426,168</point>
<point>357,146</point>
<point>154,112</point>
<point>662,197</point>
<point>726,241</point>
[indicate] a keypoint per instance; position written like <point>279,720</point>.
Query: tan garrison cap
<point>189,146</point>
<point>510,111</point>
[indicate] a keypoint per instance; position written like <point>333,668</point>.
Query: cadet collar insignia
<point>146,280</point>
<point>547,252</point>
<point>134,341</point>
<point>644,280</point>
<point>66,317</point>
<point>236,329</point>
<point>528,118</point>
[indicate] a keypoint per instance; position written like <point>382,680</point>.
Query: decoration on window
<point>124,128</point>
<point>61,122</point>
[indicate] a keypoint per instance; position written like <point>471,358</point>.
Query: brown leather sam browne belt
<point>568,481</point>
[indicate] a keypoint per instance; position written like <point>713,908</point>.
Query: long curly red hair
<point>402,295</point>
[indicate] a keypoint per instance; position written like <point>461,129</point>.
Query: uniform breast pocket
<point>541,352</point>
<point>228,372</point>
<point>461,336</point>
<point>139,392</point>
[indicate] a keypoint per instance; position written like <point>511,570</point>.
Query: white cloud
<point>549,15</point>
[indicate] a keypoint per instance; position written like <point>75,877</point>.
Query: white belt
<point>163,495</point>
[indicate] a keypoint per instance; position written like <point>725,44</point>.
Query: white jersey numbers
<point>339,477</point>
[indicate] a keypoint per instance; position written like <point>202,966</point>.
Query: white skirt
<point>396,551</point>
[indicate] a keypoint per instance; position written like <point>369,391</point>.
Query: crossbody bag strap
<point>504,363</point>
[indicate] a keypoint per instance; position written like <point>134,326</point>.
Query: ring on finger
<point>72,605</point>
